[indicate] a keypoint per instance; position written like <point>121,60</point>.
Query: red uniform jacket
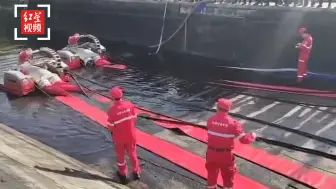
<point>306,46</point>
<point>121,121</point>
<point>222,130</point>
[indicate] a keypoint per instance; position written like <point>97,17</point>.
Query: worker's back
<point>122,114</point>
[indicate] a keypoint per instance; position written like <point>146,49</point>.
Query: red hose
<point>55,90</point>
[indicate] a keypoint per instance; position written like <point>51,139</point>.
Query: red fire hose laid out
<point>171,152</point>
<point>275,163</point>
<point>258,156</point>
<point>280,89</point>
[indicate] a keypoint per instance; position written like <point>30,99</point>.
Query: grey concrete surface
<point>29,164</point>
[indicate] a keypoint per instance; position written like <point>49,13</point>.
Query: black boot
<point>123,178</point>
<point>136,176</point>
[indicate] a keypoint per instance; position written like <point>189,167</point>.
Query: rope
<point>181,26</point>
<point>278,126</point>
<point>282,70</point>
<point>260,139</point>
<point>39,88</point>
<point>316,152</point>
<point>298,132</point>
<point>297,91</point>
<point>79,85</point>
<point>264,140</point>
<point>305,104</point>
<point>162,29</point>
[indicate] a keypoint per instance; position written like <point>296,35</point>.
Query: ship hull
<point>257,37</point>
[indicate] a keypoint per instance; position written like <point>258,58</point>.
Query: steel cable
<point>266,141</point>
<point>275,125</point>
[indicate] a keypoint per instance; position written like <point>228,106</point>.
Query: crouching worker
<point>121,123</point>
<point>222,131</point>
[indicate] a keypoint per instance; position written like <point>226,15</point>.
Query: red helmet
<point>73,39</point>
<point>224,104</point>
<point>25,55</point>
<point>116,92</point>
<point>302,30</point>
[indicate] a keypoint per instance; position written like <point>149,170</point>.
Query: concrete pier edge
<point>15,147</point>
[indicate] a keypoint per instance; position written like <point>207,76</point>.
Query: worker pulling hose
<point>262,139</point>
<point>141,158</point>
<point>270,168</point>
<point>277,171</point>
<point>275,125</point>
<point>79,85</point>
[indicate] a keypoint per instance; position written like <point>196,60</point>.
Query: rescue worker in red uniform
<point>121,123</point>
<point>305,47</point>
<point>25,56</point>
<point>72,40</point>
<point>222,131</point>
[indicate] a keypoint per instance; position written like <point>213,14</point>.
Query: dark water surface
<point>58,126</point>
<point>151,82</point>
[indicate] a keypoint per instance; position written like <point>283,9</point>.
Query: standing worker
<point>222,131</point>
<point>121,123</point>
<point>305,47</point>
